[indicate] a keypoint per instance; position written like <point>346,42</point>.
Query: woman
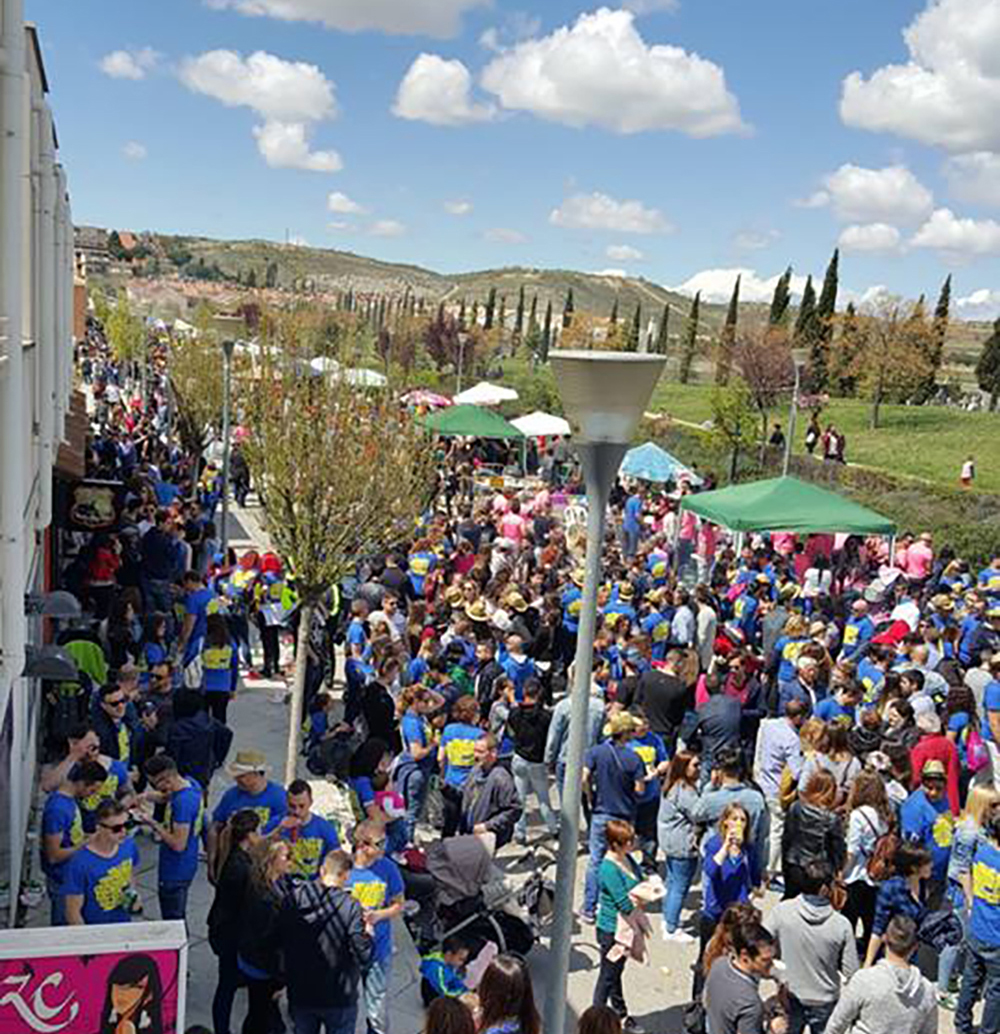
<point>813,831</point>
<point>456,756</point>
<point>901,729</point>
<point>835,758</point>
<point>962,716</point>
<point>258,953</point>
<point>506,999</point>
<point>786,651</point>
<point>124,629</point>
<point>220,666</point>
<point>870,816</point>
<point>416,763</point>
<point>678,839</point>
<point>901,894</point>
<point>155,647</point>
<point>369,777</point>
<point>721,943</point>
<point>619,875</point>
<point>449,1016</point>
<point>231,877</point>
<point>599,1019</point>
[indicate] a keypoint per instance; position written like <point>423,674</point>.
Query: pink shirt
<point>512,527</point>
<point>783,542</point>
<point>689,525</point>
<point>706,540</point>
<point>919,561</point>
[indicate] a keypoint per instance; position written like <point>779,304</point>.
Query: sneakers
<point>586,917</point>
<point>777,884</point>
<point>947,1001</point>
<point>631,1026</point>
<point>253,675</point>
<point>32,894</point>
<point>679,936</point>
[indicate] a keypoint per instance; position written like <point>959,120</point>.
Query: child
<point>441,971</point>
<point>318,725</point>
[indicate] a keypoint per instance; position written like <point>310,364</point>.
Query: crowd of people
<point>811,718</point>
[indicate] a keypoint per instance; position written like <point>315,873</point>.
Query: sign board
<point>71,979</point>
<point>91,505</point>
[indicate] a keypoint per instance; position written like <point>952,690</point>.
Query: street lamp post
<point>227,390</point>
<point>603,396</point>
<point>798,361</point>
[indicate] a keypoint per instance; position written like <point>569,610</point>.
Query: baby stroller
<point>474,899</point>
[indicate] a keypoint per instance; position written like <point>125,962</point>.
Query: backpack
<point>880,862</point>
<point>977,755</point>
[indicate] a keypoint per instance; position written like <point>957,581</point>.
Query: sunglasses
<point>118,827</point>
<point>116,703</point>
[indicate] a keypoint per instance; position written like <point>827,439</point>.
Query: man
<point>391,615</point>
<point>631,525</point>
<point>196,600</point>
<point>376,884</point>
<point>925,818</point>
<point>843,705</point>
<point>252,790</point>
<point>858,632</point>
<point>891,997</point>
<point>746,609</point>
<point>327,948</point>
<point>980,876</point>
<point>62,829</point>
<point>619,777</point>
<point>990,729</point>
<point>112,730</point>
<point>528,726</point>
<point>99,876</point>
<point>718,725</point>
<point>159,561</point>
<point>178,832</point>
<point>730,787</point>
<point>395,580</point>
<point>664,698</point>
<point>934,745</point>
<point>805,687</point>
<point>732,999</point>
<point>311,836</point>
<point>557,742</point>
<point>778,749</point>
<point>489,798</point>
<point>818,948</point>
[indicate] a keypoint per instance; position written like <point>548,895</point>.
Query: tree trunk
<point>763,439</point>
<point>298,692</point>
<point>993,401</point>
<point>877,398</point>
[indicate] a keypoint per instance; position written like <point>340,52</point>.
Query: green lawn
<point>920,441</point>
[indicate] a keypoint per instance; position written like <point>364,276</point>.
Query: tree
<point>988,366</point>
<point>690,341</point>
<point>252,277</point>
<point>547,333</point>
<point>805,322</point>
<point>196,379</point>
<point>519,317</point>
<point>533,316</point>
<point>847,345</point>
<point>271,275</point>
<point>781,299</point>
<point>764,362</point>
<point>724,360</point>
<point>441,340</point>
<point>125,330</point>
<point>733,420</point>
<point>568,310</point>
<point>662,340</point>
<point>614,312</point>
<point>936,339</point>
<point>502,318</point>
<point>341,473</point>
<point>826,310</point>
<point>634,331</point>
<point>461,316</point>
<point>491,304</point>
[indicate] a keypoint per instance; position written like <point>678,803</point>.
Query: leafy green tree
<point>126,330</point>
<point>781,299</point>
<point>806,325</point>
<point>491,304</point>
<point>734,420</point>
<point>727,342</point>
<point>988,367</point>
<point>533,315</point>
<point>662,340</point>
<point>568,310</point>
<point>690,342</point>
<point>847,345</point>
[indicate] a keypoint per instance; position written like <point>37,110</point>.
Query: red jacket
<point>938,748</point>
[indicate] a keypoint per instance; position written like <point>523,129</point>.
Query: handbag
<point>940,929</point>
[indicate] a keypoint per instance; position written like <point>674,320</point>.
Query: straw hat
<point>621,722</point>
<point>476,611</point>
<point>248,762</point>
<point>453,595</point>
<point>625,591</point>
<point>577,577</point>
<point>933,770</point>
<point>516,601</point>
<point>942,602</point>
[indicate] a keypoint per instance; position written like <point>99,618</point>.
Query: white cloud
<point>458,207</point>
<point>716,285</point>
<point>290,96</point>
<point>129,64</point>
<point>134,151</point>
<point>439,18</point>
<point>598,211</point>
<point>601,72</point>
<point>623,253</point>
<point>504,235</point>
<point>975,177</point>
<point>650,6</point>
<point>440,92</point>
<point>958,238</point>
<point>860,195</point>
<point>983,304</point>
<point>387,228</point>
<point>948,93</point>
<point>755,240</point>
<point>517,26</point>
<point>819,199</point>
<point>341,204</point>
<point>870,237</point>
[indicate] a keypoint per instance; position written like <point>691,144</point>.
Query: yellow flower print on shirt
<point>109,892</point>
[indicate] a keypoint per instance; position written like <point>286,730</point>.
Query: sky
<point>677,140</point>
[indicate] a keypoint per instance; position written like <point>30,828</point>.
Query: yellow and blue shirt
<point>309,844</point>
<point>102,882</point>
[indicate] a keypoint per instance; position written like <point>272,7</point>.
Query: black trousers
<point>270,640</point>
<point>218,703</point>
<point>706,927</point>
<point>861,905</point>
<point>263,1014</point>
<point>608,988</point>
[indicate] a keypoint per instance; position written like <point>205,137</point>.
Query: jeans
<point>173,900</point>
<point>678,875</point>
<point>229,982</point>
<point>415,790</point>
<point>332,1020</point>
<point>375,988</point>
<point>630,543</point>
<point>609,978</point>
<point>532,776</point>
<point>598,848</point>
<point>815,1015</point>
<point>157,597</point>
<point>981,977</point>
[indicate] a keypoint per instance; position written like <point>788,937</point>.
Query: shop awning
<point>470,422</point>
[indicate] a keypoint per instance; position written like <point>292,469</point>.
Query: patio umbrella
<point>651,463</point>
<point>541,425</point>
<point>485,394</point>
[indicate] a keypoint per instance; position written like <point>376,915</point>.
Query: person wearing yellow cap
<point>925,817</point>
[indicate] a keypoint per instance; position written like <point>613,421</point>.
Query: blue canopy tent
<point>651,463</point>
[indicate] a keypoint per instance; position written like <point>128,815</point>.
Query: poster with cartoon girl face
<point>126,992</point>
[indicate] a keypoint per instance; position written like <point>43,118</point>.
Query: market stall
<point>650,462</point>
<point>542,425</point>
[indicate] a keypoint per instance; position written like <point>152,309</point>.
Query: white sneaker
<point>678,937</point>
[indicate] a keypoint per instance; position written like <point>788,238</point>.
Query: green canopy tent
<point>786,504</point>
<point>474,422</point>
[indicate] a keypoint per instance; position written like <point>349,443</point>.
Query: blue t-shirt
<point>959,723</point>
<point>270,804</point>
<point>415,731</point>
<point>929,824</point>
<point>616,770</point>
<point>989,581</point>
<point>197,604</point>
<point>102,882</point>
<point>61,815</point>
<point>984,921</point>
<point>220,668</point>
<point>458,742</point>
<point>991,702</point>
<point>657,626</point>
<point>356,633</point>
<point>786,651</point>
<point>572,603</point>
<point>184,807</point>
<point>310,844</point>
<point>831,709</point>
<point>745,611</point>
<point>376,887</point>
<point>108,790</point>
<point>652,752</point>
<point>633,511</point>
<point>420,566</point>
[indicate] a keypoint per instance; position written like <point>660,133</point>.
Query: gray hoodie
<point>817,947</point>
<point>886,999</point>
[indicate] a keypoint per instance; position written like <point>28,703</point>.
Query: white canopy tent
<point>485,394</point>
<point>541,425</point>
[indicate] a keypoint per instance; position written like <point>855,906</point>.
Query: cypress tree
<point>635,330</point>
<point>727,342</point>
<point>502,321</point>
<point>936,339</point>
<point>461,316</point>
<point>533,317</point>
<point>568,310</point>
<point>805,322</point>
<point>844,358</point>
<point>988,367</point>
<point>491,304</point>
<point>782,298</point>
<point>690,341</point>
<point>661,334</point>
<point>826,310</point>
<point>519,317</point>
<point>547,333</point>
<point>614,312</point>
